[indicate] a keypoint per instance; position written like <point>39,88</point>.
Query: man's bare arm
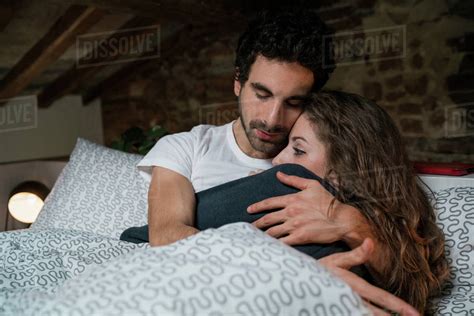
<point>171,207</point>
<point>356,231</point>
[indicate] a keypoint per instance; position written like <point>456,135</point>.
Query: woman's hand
<point>304,216</point>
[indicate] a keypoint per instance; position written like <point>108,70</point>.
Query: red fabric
<point>450,169</point>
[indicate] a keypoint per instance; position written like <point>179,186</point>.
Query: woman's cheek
<point>317,165</point>
<point>307,163</point>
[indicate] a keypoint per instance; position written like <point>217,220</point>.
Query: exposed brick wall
<point>171,92</point>
<point>421,90</point>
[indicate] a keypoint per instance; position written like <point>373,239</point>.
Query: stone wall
<point>428,90</point>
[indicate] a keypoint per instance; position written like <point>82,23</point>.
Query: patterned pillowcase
<point>455,216</point>
<point>458,300</point>
<point>99,191</point>
<point>233,270</point>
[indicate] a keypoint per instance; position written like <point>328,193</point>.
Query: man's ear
<point>237,87</point>
<point>237,84</point>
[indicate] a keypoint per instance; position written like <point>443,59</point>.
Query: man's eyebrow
<point>295,138</point>
<point>261,87</point>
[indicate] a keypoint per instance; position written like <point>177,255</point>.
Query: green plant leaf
<point>143,150</point>
<point>118,145</point>
<point>133,135</point>
<point>156,132</point>
<point>128,147</point>
<point>135,140</point>
<point>147,143</point>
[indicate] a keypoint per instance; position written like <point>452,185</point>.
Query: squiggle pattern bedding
<point>38,261</point>
<point>455,213</point>
<point>233,270</point>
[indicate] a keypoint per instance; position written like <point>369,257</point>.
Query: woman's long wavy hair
<point>367,161</point>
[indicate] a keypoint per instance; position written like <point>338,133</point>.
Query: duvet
<point>233,270</point>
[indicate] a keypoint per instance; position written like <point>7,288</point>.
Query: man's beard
<point>272,148</point>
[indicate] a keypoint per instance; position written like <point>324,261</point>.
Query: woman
<point>354,149</point>
<point>357,147</point>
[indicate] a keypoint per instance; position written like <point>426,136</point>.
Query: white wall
<point>56,131</point>
<point>54,135</point>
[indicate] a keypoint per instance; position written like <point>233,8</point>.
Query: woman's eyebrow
<point>295,138</point>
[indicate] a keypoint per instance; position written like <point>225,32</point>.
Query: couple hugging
<point>323,171</point>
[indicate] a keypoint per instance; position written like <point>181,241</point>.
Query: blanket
<point>235,269</point>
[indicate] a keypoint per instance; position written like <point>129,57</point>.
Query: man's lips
<point>265,135</point>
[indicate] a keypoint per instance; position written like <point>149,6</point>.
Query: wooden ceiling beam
<point>221,12</point>
<point>76,20</point>
<point>6,13</point>
<point>174,43</point>
<point>71,80</point>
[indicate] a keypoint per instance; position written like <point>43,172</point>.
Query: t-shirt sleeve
<point>174,152</point>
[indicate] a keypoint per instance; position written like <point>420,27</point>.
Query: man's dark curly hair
<point>292,36</point>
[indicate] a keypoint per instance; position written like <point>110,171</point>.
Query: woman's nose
<point>276,160</point>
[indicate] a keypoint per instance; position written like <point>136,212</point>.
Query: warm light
<point>25,206</point>
<point>26,202</point>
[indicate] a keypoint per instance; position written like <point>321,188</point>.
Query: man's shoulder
<point>203,135</point>
<point>207,128</point>
<point>206,132</point>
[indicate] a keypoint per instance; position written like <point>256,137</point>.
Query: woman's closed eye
<point>298,152</point>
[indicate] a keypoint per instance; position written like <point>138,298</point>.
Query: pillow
<point>233,270</point>
<point>458,300</point>
<point>454,209</point>
<point>99,191</point>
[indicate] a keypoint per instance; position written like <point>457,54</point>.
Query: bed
<point>71,261</point>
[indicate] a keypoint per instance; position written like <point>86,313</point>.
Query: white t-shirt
<point>207,155</point>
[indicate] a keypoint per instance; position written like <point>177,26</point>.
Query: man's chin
<point>267,148</point>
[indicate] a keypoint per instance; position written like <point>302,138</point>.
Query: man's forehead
<point>279,77</point>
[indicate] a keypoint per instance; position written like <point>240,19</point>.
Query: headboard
<point>436,182</point>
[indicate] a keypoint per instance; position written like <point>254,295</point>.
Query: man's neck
<point>244,143</point>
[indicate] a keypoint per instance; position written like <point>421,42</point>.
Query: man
<point>279,61</point>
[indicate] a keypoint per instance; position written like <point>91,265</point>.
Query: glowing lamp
<point>26,201</point>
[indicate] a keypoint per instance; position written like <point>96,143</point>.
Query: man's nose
<point>275,114</point>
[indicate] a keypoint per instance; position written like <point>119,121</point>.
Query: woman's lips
<point>266,136</point>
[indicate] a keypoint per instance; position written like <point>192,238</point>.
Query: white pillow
<point>454,209</point>
<point>99,191</point>
<point>233,270</point>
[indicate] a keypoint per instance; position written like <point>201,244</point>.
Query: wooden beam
<point>70,80</point>
<point>76,20</point>
<point>222,12</point>
<point>175,43</point>
<point>6,13</point>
